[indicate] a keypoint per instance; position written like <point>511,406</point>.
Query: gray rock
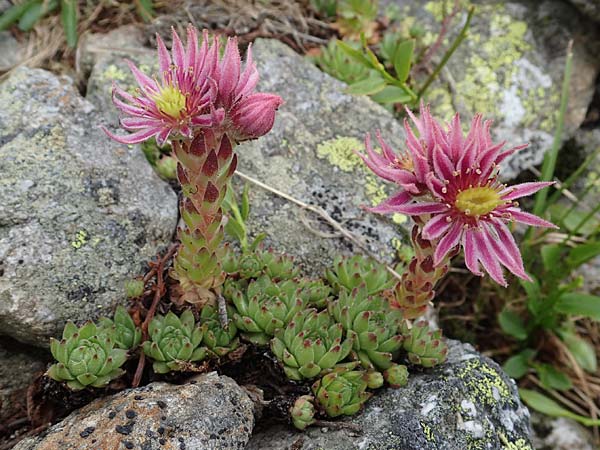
<point>466,403</point>
<point>510,68</point>
<point>10,50</point>
<point>19,365</point>
<point>589,8</point>
<point>210,412</point>
<point>79,214</point>
<point>551,433</point>
<point>317,125</point>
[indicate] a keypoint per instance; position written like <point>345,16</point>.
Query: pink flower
<point>183,98</point>
<point>457,193</point>
<point>249,115</point>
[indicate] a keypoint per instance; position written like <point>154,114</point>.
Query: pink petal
<point>436,226</point>
<point>387,150</point>
<point>412,209</point>
<point>442,164</point>
<point>192,47</point>
<point>487,257</point>
<point>249,77</point>
<point>507,251</point>
<point>529,219</point>
<point>164,59</point>
<point>177,51</point>
<point>131,123</point>
<point>229,72</point>
<point>389,204</point>
<point>524,189</point>
<point>134,138</point>
<point>447,243</point>
<point>456,138</point>
<point>147,84</point>
<point>471,253</point>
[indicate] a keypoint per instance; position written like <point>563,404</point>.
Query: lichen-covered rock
<point>79,214</point>
<point>209,412</point>
<point>309,154</point>
<point>559,433</point>
<point>19,365</point>
<point>466,403</point>
<point>510,67</point>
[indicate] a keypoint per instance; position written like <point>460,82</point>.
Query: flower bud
<point>253,116</point>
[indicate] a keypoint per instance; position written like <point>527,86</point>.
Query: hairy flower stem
<point>416,289</point>
<point>205,164</point>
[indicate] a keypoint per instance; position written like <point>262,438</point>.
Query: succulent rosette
<point>341,392</point>
<point>122,328</point>
<point>315,292</point>
<point>262,306</point>
<point>396,375</point>
<point>310,345</point>
<point>174,342</point>
<point>86,357</point>
<point>372,326</point>
<point>349,273</point>
<point>217,339</point>
<point>303,412</point>
<point>450,182</point>
<point>425,347</point>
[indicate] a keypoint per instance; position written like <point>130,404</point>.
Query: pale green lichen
<point>341,152</point>
<point>113,73</point>
<point>485,383</point>
<point>81,238</point>
<point>519,444</point>
<point>428,432</point>
<point>496,78</point>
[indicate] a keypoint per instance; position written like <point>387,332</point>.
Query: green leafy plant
<point>27,13</point>
<point>310,345</point>
<point>552,300</point>
<point>303,412</point>
<point>174,342</point>
<point>356,18</point>
<point>350,273</point>
<point>122,328</point>
<point>218,339</point>
<point>342,392</point>
<point>425,347</point>
<point>86,356</point>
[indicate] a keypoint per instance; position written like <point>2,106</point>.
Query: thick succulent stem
<point>204,167</point>
<point>416,289</point>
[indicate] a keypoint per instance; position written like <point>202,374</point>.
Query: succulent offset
<point>174,342</point>
<point>349,273</point>
<point>218,340</point>
<point>342,392</point>
<point>86,357</point>
<point>122,328</point>
<point>262,306</point>
<point>425,347</point>
<point>396,375</point>
<point>310,345</point>
<point>371,324</point>
<point>303,412</point>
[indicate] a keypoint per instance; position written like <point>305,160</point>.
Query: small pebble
<point>162,441</point>
<point>130,414</point>
<point>123,429</point>
<point>161,430</point>
<point>161,404</point>
<point>138,397</point>
<point>128,445</point>
<point>112,415</point>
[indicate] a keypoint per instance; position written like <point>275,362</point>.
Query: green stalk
<point>550,159</point>
<point>461,37</point>
<point>572,178</point>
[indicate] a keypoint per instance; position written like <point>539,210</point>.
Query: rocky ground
<point>79,214</point>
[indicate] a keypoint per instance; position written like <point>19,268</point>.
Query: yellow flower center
<point>478,201</point>
<point>170,101</point>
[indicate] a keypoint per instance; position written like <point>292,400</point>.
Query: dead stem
<point>159,291</point>
<point>338,425</point>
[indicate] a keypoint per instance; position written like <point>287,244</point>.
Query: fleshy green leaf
<point>547,406</point>
<point>392,94</point>
<point>14,13</point>
<point>552,378</point>
<point>68,15</point>
<point>582,351</point>
<point>578,304</point>
<point>370,86</point>
<point>551,255</point>
<point>583,253</point>
<point>517,365</point>
<point>512,324</point>
<point>403,58</point>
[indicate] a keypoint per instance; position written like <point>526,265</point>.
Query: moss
<point>485,383</point>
